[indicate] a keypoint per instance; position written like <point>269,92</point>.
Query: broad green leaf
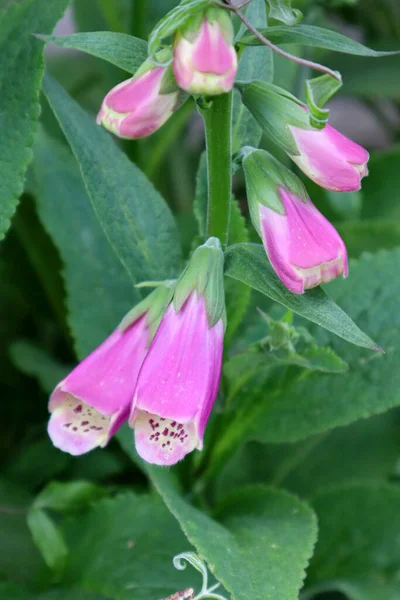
<point>99,292</point>
<point>20,78</point>
<point>23,468</point>
<point>34,361</point>
<point>369,235</point>
<point>172,21</point>
<point>310,35</point>
<point>68,496</point>
<point>19,559</point>
<point>248,263</point>
<point>134,217</point>
<point>120,49</point>
<point>48,538</point>
<point>364,522</point>
<point>12,591</point>
<point>310,405</point>
<point>366,450</point>
<point>282,10</point>
<point>258,530</point>
<point>123,548</point>
<point>254,64</point>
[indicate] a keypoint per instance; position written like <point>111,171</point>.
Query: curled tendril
<point>181,561</point>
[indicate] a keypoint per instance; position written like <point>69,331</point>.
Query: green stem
<point>218,125</point>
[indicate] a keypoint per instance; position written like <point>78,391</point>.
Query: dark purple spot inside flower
<point>85,423</point>
<point>78,409</point>
<point>74,429</point>
<point>165,432</point>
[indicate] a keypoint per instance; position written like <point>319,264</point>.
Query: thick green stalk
<point>218,125</point>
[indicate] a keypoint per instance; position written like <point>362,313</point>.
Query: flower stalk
<point>218,128</point>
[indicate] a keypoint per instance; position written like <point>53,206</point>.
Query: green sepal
<point>191,27</point>
<point>205,275</point>
<point>264,176</point>
<point>154,306</point>
<point>319,90</point>
<point>161,59</point>
<point>276,110</point>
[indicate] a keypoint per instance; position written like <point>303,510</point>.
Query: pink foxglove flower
<point>179,379</point>
<point>305,250</point>
<point>205,60</point>
<point>93,401</point>
<point>326,156</point>
<point>330,159</point>
<point>139,106</point>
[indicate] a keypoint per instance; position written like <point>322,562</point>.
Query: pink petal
<point>330,159</point>
<point>211,53</point>
<point>303,247</point>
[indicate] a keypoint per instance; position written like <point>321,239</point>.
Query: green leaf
<point>11,591</point>
<point>366,450</point>
<point>99,292</point>
<point>20,78</point>
<point>68,496</point>
<point>253,64</point>
<point>258,530</point>
<point>364,522</point>
<point>122,50</point>
<point>134,217</point>
<point>310,35</point>
<point>19,559</point>
<point>306,406</point>
<point>319,91</point>
<point>32,360</point>
<point>282,10</point>
<point>248,263</point>
<point>123,548</point>
<point>48,538</point>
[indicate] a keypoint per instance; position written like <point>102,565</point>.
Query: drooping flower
<point>205,60</point>
<point>179,379</point>
<point>93,401</point>
<point>305,250</point>
<point>139,106</point>
<point>326,156</point>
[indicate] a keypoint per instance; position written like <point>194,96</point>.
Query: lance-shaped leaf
<point>310,35</point>
<point>20,78</point>
<point>248,263</point>
<point>134,217</point>
<point>122,50</point>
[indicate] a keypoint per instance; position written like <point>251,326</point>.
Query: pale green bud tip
<point>153,306</point>
<point>205,275</point>
<point>265,177</point>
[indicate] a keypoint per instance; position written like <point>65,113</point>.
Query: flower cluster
<point>203,60</point>
<point>160,369</point>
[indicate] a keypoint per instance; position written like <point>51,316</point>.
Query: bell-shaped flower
<point>139,106</point>
<point>205,60</point>
<point>326,156</point>
<point>179,379</point>
<point>304,249</point>
<point>93,401</point>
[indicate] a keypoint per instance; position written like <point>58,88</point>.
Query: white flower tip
<point>163,441</point>
<point>76,427</point>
